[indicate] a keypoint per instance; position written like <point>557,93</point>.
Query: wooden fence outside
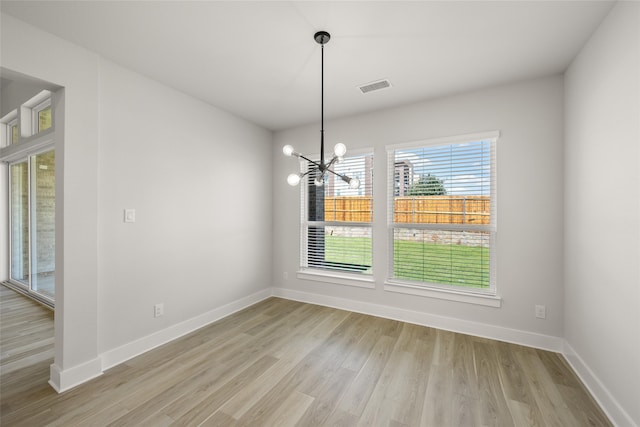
<point>416,209</point>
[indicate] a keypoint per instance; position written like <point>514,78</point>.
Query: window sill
<point>446,294</point>
<point>337,278</point>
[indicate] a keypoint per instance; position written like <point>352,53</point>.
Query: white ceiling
<point>259,60</point>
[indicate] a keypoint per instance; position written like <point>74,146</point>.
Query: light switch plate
<point>129,215</point>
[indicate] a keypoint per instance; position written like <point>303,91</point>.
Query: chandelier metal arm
<point>306,173</point>
<point>335,159</point>
<point>345,178</point>
<point>337,174</point>
<point>310,161</point>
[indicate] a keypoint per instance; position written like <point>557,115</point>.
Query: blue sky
<point>464,168</point>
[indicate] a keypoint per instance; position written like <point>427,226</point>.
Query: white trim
<point>616,413</point>
<point>39,98</point>
<point>35,111</point>
<point>44,141</point>
<point>6,123</point>
<point>27,128</point>
<point>515,336</point>
<point>63,380</point>
<point>444,227</point>
<point>338,278</point>
<point>10,117</point>
<point>132,349</point>
<point>481,136</point>
<point>338,224</point>
<point>466,295</point>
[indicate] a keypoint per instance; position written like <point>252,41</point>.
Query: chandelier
<point>322,168</point>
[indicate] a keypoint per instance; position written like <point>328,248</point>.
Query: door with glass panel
<point>32,224</point>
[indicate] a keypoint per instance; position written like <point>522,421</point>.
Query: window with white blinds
<point>336,220</point>
<point>442,204</point>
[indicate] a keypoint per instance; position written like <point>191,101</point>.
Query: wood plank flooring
<point>285,363</point>
<point>26,349</point>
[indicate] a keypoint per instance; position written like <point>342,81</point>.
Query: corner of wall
<point>63,380</point>
<point>598,391</point>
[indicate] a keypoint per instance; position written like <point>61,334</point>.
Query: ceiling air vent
<point>370,87</point>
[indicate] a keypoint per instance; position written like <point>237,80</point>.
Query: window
<point>336,220</point>
<point>442,220</point>
<point>36,114</point>
<point>41,116</point>
<point>9,129</point>
<point>31,194</point>
<point>32,223</point>
<point>13,126</point>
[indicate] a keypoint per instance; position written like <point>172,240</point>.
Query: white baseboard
<point>529,339</point>
<point>63,380</point>
<point>130,350</point>
<point>617,415</point>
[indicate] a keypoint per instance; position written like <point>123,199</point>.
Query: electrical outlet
<point>541,311</point>
<point>158,310</point>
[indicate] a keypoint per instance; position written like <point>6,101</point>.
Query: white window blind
<point>336,220</point>
<point>442,220</point>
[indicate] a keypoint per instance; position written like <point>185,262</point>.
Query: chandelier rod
<point>322,165</point>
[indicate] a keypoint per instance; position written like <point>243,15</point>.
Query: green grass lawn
<point>348,250</point>
<point>458,265</point>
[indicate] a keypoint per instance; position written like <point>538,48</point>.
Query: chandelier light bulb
<point>339,149</point>
<point>354,183</point>
<point>293,179</point>
<point>287,150</point>
<point>319,181</point>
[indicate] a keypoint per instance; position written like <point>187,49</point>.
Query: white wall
<point>201,244</point>
<point>30,51</point>
<point>602,213</point>
<point>16,93</point>
<point>201,187</point>
<point>530,193</point>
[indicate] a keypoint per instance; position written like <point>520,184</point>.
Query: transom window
<point>41,116</point>
<point>9,125</point>
<point>31,118</point>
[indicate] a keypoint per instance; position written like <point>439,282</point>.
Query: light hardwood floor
<point>281,363</point>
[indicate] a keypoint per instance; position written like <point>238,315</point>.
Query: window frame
<point>29,123</point>
<point>8,122</point>
<point>335,276</point>
<point>27,119</point>
<point>35,115</point>
<point>488,296</point>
